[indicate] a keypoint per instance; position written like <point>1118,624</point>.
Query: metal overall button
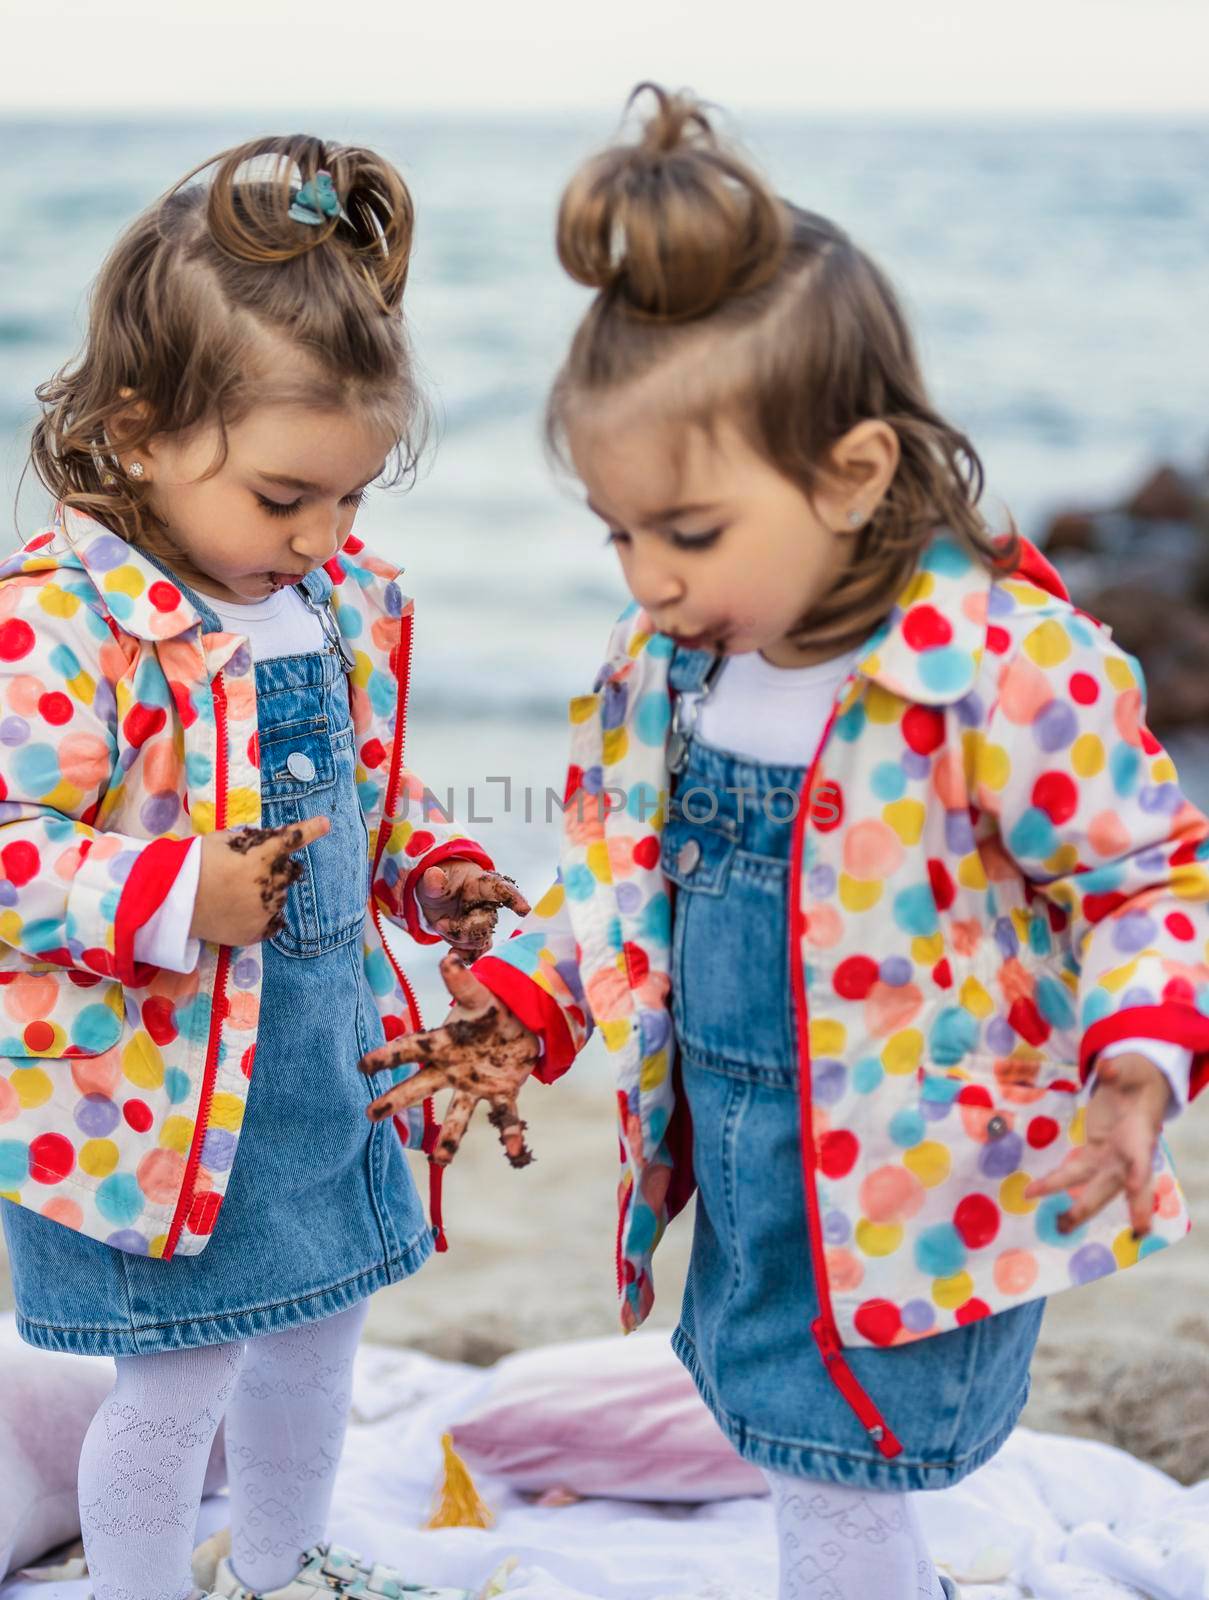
<point>997,1127</point>
<point>688,857</point>
<point>299,765</point>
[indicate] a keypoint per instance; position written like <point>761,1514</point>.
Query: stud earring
<point>136,469</point>
<point>855,519</point>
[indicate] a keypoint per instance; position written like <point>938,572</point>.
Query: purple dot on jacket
<point>129,1240</point>
<point>1163,798</point>
<point>1136,997</point>
<point>1133,932</point>
<point>131,1007</point>
<point>1001,1157</point>
<point>1006,937</point>
<point>104,703</point>
<point>828,1080</point>
<point>240,663</point>
<point>569,972</point>
<point>836,1228</point>
<point>999,604</point>
<point>613,709</point>
<point>10,811</point>
<point>121,865</point>
<point>390,873</point>
<point>935,1110</point>
<point>593,780</point>
<point>914,764</point>
<point>1056,727</point>
<point>245,972</point>
<point>218,1150</point>
<point>895,971</point>
<point>160,811</point>
<point>629,897</point>
<point>1152,860</point>
<point>8,893</point>
<point>97,1115</point>
<point>970,710</point>
<point>128,757</point>
<point>1001,1036</point>
<point>108,552</point>
<point>14,731</point>
<point>654,1029</point>
<point>918,1316</point>
<point>821,882</point>
<point>1091,1261</point>
<point>393,600</point>
<point>959,832</point>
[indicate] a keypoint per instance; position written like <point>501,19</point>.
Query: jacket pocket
<point>50,1013</point>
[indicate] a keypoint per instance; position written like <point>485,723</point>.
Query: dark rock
<point>1164,497</point>
<point>1070,530</point>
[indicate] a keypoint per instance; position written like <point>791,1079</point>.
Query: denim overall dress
<point>750,1299</point>
<point>321,1209</point>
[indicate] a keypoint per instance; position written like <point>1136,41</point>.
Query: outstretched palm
<point>481,1052</point>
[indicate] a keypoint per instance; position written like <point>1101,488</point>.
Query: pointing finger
<point>405,1095</point>
<point>463,985</point>
<point>453,1128</point>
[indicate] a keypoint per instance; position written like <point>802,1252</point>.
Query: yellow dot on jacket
<point>64,797</point>
<point>1011,1194</point>
<point>31,1085</point>
<point>921,587</point>
<point>226,1111</point>
<point>827,1038</point>
<point>1126,1248</point>
<point>363,669</point>
<point>614,746</point>
<point>1077,1132</point>
<point>930,1162</point>
<point>177,1134</point>
<point>878,1238</point>
<point>904,1051</point>
<point>1048,645</point>
<point>99,1157</point>
<point>654,1071</point>
<point>907,818</point>
<point>615,1034</point>
<point>1119,673</point>
<point>551,903</point>
<point>596,858</point>
<point>971,874</point>
<point>883,707</point>
<point>243,808</point>
<point>142,1062</point>
<point>10,927</point>
<point>1119,978</point>
<point>927,950</point>
<point>949,1293</point>
<point>1162,770</point>
<point>583,707</point>
<point>857,896</point>
<point>975,999</point>
<point>126,579</point>
<point>1087,755</point>
<point>58,602</point>
<point>157,1247</point>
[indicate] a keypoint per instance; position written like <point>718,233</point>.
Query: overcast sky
<point>917,56</point>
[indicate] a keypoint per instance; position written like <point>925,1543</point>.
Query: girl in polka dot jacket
<point>204,824</point>
<point>884,899</point>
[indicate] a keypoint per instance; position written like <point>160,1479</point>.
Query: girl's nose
<point>654,585</point>
<point>319,540</point>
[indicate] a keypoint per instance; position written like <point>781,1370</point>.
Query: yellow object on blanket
<point>458,1503</point>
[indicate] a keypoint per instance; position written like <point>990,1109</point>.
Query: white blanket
<point>1049,1519</point>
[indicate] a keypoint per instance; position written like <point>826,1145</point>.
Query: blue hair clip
<point>316,201</point>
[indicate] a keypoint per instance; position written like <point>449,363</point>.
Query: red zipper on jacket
<point>218,1005</point>
<point>432,1128</point>
<point>824,1328</point>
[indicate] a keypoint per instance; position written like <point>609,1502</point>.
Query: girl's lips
<point>286,578</point>
<point>713,640</point>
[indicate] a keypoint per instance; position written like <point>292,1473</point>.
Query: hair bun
<point>248,208</point>
<point>673,223</point>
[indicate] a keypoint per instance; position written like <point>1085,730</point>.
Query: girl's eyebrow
<point>288,482</point>
<point>655,519</point>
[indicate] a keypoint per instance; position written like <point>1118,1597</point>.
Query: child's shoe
<point>329,1571</point>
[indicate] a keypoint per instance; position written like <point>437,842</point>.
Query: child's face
<point>243,532</point>
<point>720,548</point>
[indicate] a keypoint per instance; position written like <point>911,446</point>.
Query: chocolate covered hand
<point>461,902</point>
<point>481,1052</point>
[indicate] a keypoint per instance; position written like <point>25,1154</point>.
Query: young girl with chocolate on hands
<point>885,900</point>
<point>204,825</point>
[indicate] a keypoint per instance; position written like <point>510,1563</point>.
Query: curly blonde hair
<point>756,310</point>
<point>194,303</point>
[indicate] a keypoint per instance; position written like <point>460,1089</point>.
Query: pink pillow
<point>616,1418</point>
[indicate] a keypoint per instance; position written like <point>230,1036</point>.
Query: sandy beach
<point>531,1261</point>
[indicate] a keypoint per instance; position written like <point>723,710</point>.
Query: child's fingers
<point>1078,1167</point>
<point>298,835</point>
<point>463,985</point>
<point>508,1123</point>
<point>501,891</point>
<point>409,1047</point>
<point>434,883</point>
<point>405,1095</point>
<point>1102,1188</point>
<point>453,1128</point>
